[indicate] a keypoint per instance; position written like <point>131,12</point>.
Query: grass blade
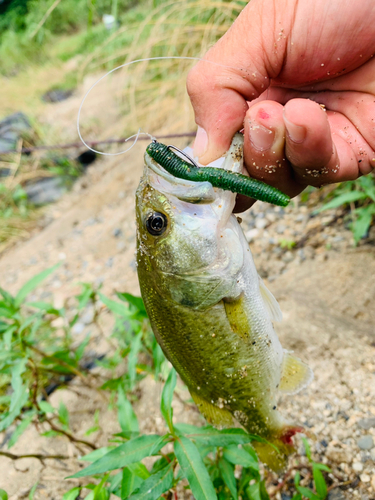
<point>155,485</point>
<point>32,284</point>
<point>166,398</point>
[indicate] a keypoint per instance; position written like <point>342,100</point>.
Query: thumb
<point>235,70</point>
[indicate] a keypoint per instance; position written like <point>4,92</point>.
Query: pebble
<point>357,466</point>
<point>365,478</point>
<point>117,232</point>
<point>373,482</point>
<point>366,423</point>
<point>372,454</point>
<point>251,234</point>
<point>288,257</point>
<point>365,442</point>
<point>280,228</point>
<point>261,223</point>
<point>336,494</point>
<point>78,328</point>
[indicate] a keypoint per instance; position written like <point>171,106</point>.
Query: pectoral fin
<point>270,302</point>
<point>218,417</point>
<point>295,374</point>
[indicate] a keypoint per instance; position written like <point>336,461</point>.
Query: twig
<point>39,456</point>
<point>45,17</point>
<point>54,427</point>
<point>92,143</point>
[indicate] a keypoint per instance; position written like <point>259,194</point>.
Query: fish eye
<point>156,223</point>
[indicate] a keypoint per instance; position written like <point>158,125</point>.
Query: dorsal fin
<point>295,374</point>
<point>270,302</point>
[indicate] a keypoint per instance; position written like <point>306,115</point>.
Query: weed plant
<point>37,356</point>
<point>359,196</point>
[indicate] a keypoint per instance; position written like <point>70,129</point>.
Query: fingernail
<point>297,133</point>
<point>200,143</point>
<point>261,137</point>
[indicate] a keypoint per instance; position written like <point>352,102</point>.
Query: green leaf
<point>306,492</point>
<point>342,199</point>
<point>155,485</point>
<point>320,483</point>
<point>132,451</point>
<point>46,407</point>
<point>96,454</point>
<point>115,307</point>
<point>321,467</point>
<point>19,396</point>
<point>307,448</point>
<point>45,307</point>
<point>227,473</point>
<point>30,285</point>
<point>72,494</point>
<point>26,421</point>
<point>136,346</point>
<point>137,302</point>
<point>241,456</point>
<point>63,414</point>
<point>194,469</point>
<point>362,222</point>
<point>297,496</point>
<point>130,482</point>
<point>33,490</point>
<point>127,418</point>
<point>166,398</point>
<point>3,495</point>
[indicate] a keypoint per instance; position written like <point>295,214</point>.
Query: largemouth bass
<point>210,311</point>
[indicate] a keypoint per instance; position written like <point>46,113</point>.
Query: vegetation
<point>359,196</point>
<point>39,354</point>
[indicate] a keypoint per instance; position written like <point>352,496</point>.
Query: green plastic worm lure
<point>220,178</point>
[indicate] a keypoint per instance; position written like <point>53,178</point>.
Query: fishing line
<point>123,66</point>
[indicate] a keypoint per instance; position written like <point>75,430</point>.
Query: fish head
<point>188,242</point>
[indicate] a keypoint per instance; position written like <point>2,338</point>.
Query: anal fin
<point>218,417</point>
<point>295,374</point>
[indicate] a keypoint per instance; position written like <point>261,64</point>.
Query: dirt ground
<point>325,288</point>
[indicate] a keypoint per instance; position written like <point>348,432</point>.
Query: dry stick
<point>39,456</point>
<point>91,143</point>
<point>45,17</point>
<point>54,427</point>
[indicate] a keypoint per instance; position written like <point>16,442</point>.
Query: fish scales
<point>209,310</point>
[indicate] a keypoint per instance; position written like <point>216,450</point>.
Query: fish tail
<point>276,450</point>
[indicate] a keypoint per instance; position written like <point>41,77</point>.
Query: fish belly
<point>222,353</point>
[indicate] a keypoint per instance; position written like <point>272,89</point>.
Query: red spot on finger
<point>263,114</point>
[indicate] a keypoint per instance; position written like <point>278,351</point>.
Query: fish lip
<point>185,190</point>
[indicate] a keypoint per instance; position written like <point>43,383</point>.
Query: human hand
<point>299,77</point>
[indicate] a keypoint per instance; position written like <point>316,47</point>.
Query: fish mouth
<point>198,192</point>
<point>184,190</point>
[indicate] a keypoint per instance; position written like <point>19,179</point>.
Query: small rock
<point>56,95</point>
<point>109,262</point>
<point>117,232</point>
<point>251,234</point>
<point>284,496</point>
<point>365,478</point>
<point>88,317</point>
<point>373,482</point>
<point>288,257</point>
<point>260,223</point>
<point>46,190</point>
<point>336,494</point>
<point>357,466</point>
<point>338,455</point>
<point>78,328</point>
<point>366,423</point>
<point>372,454</point>
<point>281,228</point>
<point>365,442</point>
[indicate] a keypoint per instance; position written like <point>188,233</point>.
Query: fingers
<point>229,76</point>
<point>264,153</point>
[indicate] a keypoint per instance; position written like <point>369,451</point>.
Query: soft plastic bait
<point>224,179</point>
